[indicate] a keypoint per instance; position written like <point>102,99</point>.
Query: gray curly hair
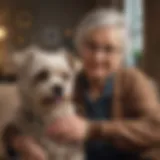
<point>100,18</point>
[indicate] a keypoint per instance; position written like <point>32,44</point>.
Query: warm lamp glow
<point>3,33</point>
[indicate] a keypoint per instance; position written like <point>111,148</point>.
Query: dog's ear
<point>25,64</point>
<point>29,57</point>
<point>19,58</point>
<point>74,62</point>
<point>23,72</point>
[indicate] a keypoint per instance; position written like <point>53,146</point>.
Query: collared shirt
<point>101,110</point>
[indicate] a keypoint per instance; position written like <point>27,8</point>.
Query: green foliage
<point>138,56</point>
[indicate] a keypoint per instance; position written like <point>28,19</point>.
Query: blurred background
<point>25,22</point>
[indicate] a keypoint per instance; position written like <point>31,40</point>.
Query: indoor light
<point>3,33</point>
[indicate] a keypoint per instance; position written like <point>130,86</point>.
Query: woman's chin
<point>97,77</point>
<point>100,75</point>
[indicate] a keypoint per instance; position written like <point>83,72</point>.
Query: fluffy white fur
<point>39,73</point>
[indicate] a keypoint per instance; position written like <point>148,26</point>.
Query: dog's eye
<point>41,76</point>
<point>65,76</point>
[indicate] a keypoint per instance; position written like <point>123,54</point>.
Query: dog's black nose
<point>57,90</point>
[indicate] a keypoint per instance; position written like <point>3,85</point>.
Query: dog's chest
<point>36,127</point>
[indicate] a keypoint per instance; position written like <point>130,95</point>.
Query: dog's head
<point>47,80</point>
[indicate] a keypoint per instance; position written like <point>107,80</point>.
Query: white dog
<point>46,84</point>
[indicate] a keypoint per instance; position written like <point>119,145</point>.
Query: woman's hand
<point>28,148</point>
<point>69,129</point>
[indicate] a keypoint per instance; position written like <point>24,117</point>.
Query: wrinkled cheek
<point>118,64</point>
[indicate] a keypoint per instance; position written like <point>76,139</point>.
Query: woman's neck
<point>96,88</point>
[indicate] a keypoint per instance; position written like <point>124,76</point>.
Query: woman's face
<point>101,52</point>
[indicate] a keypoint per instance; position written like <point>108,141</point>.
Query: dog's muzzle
<point>57,91</point>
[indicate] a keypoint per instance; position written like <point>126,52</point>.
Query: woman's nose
<point>99,56</point>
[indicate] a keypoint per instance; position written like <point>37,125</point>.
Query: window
<point>134,16</point>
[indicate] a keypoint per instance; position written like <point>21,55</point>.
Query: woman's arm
<point>140,133</point>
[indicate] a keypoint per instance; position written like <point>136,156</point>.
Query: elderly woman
<point>119,114</point>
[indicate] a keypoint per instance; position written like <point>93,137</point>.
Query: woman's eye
<point>109,49</point>
<point>90,45</point>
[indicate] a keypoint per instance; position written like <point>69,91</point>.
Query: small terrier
<point>46,83</point>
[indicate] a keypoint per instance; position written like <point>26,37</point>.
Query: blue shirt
<point>101,110</point>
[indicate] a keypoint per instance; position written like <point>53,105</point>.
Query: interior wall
<point>151,61</point>
<point>118,4</point>
<point>58,12</point>
<point>61,13</point>
<point>48,14</point>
